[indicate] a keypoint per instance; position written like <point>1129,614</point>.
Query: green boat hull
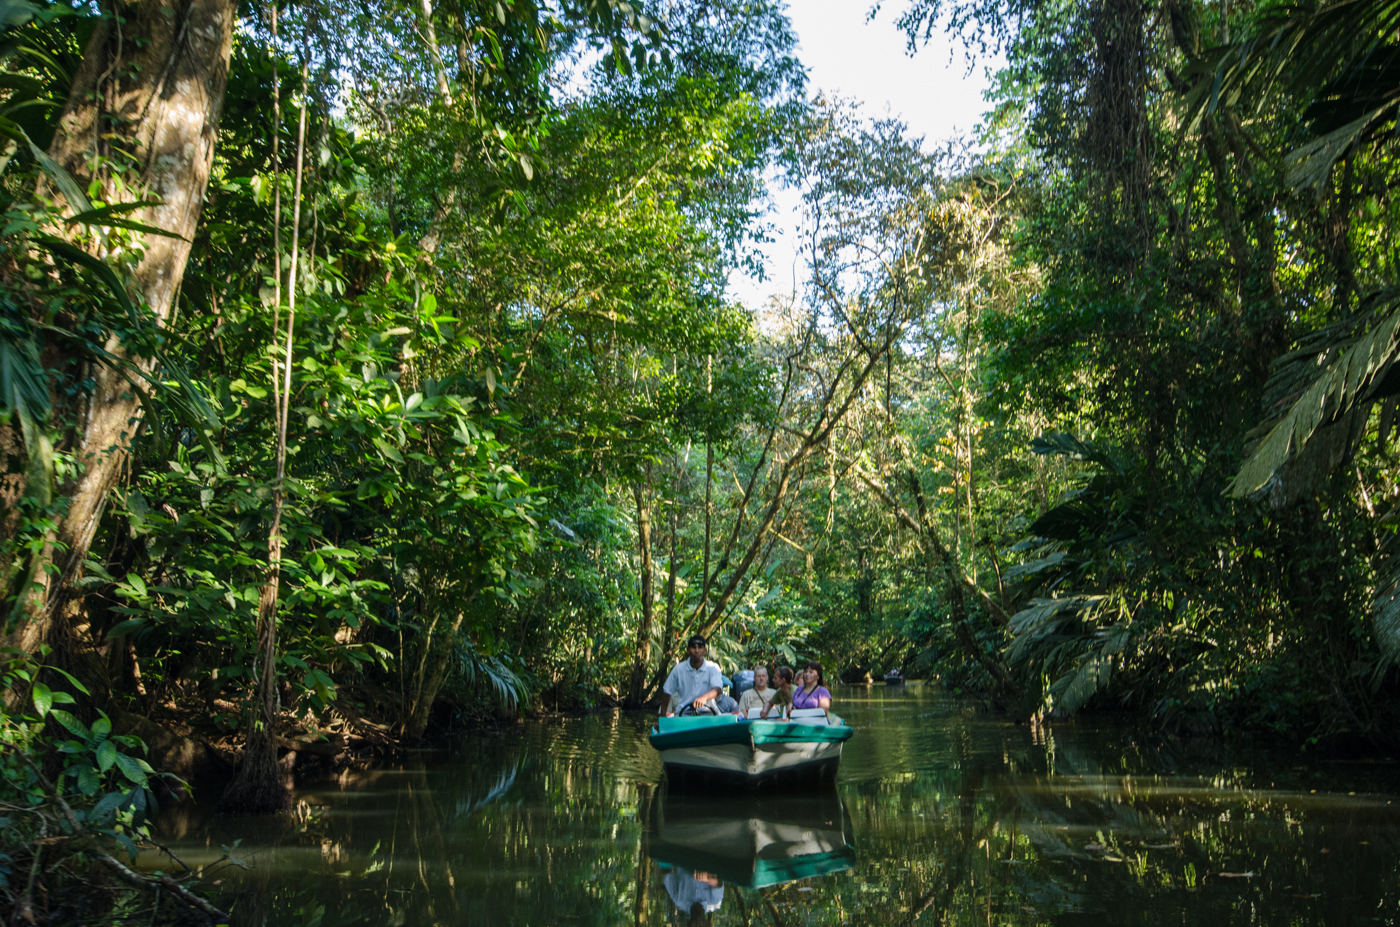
<point>753,843</point>
<point>723,752</point>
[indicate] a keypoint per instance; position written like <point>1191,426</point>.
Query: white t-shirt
<point>686,683</point>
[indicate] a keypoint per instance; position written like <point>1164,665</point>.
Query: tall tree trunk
<point>705,579</point>
<point>668,641</point>
<point>434,674</point>
<point>154,89</point>
<point>636,690</point>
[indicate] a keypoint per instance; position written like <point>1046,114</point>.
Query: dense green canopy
<point>404,388</point>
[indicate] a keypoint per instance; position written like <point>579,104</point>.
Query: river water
<point>941,815</point>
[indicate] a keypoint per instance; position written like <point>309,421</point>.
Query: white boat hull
<point>755,761</point>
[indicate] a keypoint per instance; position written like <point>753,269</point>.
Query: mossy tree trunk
<point>149,92</point>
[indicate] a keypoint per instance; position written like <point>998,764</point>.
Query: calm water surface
<point>942,815</point>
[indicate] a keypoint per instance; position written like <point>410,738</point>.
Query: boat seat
<point>798,714</point>
<point>692,722</point>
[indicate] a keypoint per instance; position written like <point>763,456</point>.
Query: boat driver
<point>694,682</point>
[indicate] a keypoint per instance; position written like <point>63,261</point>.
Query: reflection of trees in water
<point>511,830</point>
<point>1111,834</point>
<point>965,824</point>
<point>468,805</point>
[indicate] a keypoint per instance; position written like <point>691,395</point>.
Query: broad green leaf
<point>43,699</point>
<point>71,723</point>
<point>388,450</point>
<point>71,681</point>
<point>131,768</point>
<point>106,755</point>
<point>88,780</point>
<point>106,806</point>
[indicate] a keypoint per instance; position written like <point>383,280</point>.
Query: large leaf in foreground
<point>1335,385</point>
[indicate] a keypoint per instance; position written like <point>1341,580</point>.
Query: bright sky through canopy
<point>933,92</point>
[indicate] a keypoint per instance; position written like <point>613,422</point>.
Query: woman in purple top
<point>812,693</point>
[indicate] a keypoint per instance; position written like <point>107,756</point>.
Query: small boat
<point>752,843</point>
<point>700,751</point>
<point>894,678</point>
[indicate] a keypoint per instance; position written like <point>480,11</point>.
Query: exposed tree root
<point>260,786</point>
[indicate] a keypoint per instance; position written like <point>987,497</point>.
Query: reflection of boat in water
<point>725,750</point>
<point>749,842</point>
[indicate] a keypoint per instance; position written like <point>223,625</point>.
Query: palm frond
<point>1072,691</point>
<point>1311,165</point>
<point>1031,567</point>
<point>1385,614</point>
<point>24,386</point>
<point>1061,444</point>
<point>506,685</point>
<point>1335,384</point>
<point>1043,617</point>
<point>1336,57</point>
<point>1075,640</point>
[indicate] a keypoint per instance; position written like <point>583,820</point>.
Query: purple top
<point>803,699</point>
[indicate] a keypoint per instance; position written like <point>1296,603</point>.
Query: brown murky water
<point>941,815</point>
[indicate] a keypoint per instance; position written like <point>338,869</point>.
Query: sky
<point>934,93</point>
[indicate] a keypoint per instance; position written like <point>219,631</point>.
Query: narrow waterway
<point>942,815</point>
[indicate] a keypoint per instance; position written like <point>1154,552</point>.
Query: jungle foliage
<point>416,392</point>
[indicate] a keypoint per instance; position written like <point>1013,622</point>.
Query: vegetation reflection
<point>944,815</point>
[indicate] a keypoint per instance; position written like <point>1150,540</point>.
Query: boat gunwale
<point>755,733</point>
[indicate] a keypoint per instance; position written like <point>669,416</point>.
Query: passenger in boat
<point>725,704</point>
<point>694,682</point>
<point>812,693</point>
<point>781,699</point>
<point>758,696</point>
